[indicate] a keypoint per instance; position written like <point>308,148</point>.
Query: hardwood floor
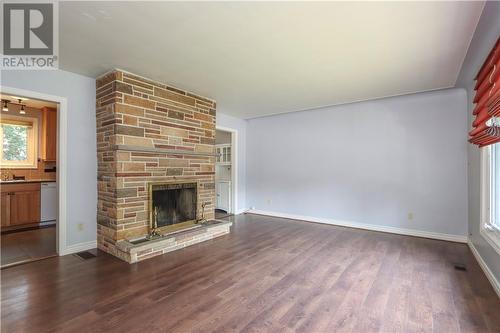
<point>29,245</point>
<point>219,213</point>
<point>268,275</point>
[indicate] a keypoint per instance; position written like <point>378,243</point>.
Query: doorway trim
<point>234,165</point>
<point>61,165</point>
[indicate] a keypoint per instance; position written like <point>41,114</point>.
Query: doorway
<point>224,173</point>
<point>28,179</point>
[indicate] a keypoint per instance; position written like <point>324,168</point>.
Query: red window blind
<point>486,125</point>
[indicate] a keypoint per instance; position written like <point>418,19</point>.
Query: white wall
<point>487,32</point>
<point>239,125</point>
<point>371,162</point>
<point>222,137</point>
<point>82,157</point>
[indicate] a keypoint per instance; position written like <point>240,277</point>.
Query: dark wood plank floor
<point>219,213</point>
<point>268,275</point>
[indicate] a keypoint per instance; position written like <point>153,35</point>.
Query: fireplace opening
<point>172,206</point>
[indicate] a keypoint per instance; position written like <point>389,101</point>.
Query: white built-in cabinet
<point>223,177</point>
<point>224,195</point>
<point>223,154</point>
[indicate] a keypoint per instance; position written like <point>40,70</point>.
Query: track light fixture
<point>5,107</point>
<point>22,111</point>
<point>6,102</point>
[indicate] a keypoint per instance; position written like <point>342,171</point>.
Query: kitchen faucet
<point>5,175</point>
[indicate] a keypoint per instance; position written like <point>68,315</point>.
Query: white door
<point>224,196</point>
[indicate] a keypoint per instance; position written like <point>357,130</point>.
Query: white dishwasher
<point>48,201</point>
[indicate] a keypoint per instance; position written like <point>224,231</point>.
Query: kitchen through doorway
<point>28,182</point>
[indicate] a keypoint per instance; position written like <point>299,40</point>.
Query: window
<point>19,142</point>
<point>494,221</point>
<point>490,195</point>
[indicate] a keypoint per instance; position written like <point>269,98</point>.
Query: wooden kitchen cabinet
<point>5,207</point>
<point>20,204</point>
<point>49,134</point>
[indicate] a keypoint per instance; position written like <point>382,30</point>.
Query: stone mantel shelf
<point>161,151</point>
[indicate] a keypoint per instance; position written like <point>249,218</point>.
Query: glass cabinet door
<point>224,154</point>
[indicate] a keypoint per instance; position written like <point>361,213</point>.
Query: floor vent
<point>460,267</point>
<point>85,255</point>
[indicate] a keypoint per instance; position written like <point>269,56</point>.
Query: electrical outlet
<point>80,226</point>
<point>269,201</point>
<point>410,216</point>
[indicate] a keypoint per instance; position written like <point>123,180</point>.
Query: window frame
<point>32,144</point>
<point>488,230</point>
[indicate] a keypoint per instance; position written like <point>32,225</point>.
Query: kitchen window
<point>490,195</point>
<point>19,142</point>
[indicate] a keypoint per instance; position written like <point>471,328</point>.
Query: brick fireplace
<point>150,133</point>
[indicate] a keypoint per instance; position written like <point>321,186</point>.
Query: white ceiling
<point>264,58</point>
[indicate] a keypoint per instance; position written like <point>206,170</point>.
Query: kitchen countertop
<point>24,181</point>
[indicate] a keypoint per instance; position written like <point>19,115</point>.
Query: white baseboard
<point>79,248</point>
<point>372,227</point>
<point>241,211</point>
<point>494,282</point>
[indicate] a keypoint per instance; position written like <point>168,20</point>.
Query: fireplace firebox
<point>172,206</point>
